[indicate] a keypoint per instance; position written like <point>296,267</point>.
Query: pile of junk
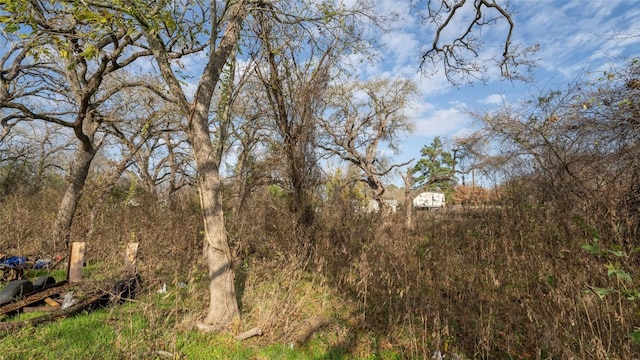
<point>14,267</point>
<point>58,299</point>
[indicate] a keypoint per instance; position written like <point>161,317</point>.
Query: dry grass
<point>504,282</point>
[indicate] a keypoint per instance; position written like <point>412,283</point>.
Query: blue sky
<point>574,36</point>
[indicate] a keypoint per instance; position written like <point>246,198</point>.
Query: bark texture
<point>77,178</point>
<point>223,305</point>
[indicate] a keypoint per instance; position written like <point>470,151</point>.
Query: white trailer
<point>429,200</point>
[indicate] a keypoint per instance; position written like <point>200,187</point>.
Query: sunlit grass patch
<point>86,336</point>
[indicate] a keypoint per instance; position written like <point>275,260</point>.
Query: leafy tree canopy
<point>436,168</point>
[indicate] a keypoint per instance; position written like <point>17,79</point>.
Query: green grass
<point>147,329</point>
<point>86,336</point>
<point>103,335</point>
<point>59,273</point>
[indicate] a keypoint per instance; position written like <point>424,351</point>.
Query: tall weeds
<point>501,282</point>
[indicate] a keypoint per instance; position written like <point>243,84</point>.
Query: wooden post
<point>76,262</point>
<point>130,258</point>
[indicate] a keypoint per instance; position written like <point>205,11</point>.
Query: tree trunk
<point>77,178</point>
<point>408,200</point>
<point>376,186</point>
<point>408,212</point>
<point>223,306</point>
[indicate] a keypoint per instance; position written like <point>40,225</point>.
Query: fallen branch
<point>249,334</point>
<point>217,328</point>
<point>165,354</point>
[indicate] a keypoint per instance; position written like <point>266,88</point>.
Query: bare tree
<point>19,77</point>
<point>576,149</point>
<point>293,94</point>
<point>30,154</point>
<point>170,34</point>
<point>363,117</point>
<point>249,141</point>
<point>134,123</point>
<point>223,26</point>
<point>295,66</point>
<point>459,51</point>
<point>93,45</point>
<point>75,54</point>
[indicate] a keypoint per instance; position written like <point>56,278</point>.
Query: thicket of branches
<point>575,150</point>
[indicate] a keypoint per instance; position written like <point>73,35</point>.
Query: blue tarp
<point>13,261</point>
<point>41,264</point>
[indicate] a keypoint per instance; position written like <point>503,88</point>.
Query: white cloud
<point>576,34</point>
<point>442,122</point>
<point>432,85</point>
<point>401,10</point>
<point>403,46</point>
<point>493,99</point>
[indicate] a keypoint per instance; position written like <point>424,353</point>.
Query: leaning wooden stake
<point>76,262</point>
<point>130,259</point>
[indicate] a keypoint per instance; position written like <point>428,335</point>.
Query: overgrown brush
<point>510,281</point>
